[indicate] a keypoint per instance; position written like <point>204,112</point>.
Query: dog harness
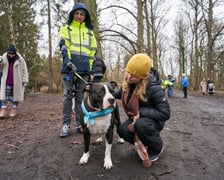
<point>89,116</point>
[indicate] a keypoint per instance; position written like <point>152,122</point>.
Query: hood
<point>87,19</point>
<point>154,77</point>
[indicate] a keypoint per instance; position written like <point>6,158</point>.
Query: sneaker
<point>155,157</point>
<point>13,112</point>
<point>65,131</point>
<point>3,113</point>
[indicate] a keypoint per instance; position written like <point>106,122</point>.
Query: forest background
<point>189,40</point>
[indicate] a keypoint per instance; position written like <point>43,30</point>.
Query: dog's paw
<point>120,140</point>
<point>99,139</point>
<point>107,163</point>
<point>84,159</point>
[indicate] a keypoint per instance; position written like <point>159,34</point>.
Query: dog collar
<point>91,115</point>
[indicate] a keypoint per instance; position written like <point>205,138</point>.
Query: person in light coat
<point>13,80</point>
<point>203,85</point>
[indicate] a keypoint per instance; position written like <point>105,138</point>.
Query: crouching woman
<point>146,106</point>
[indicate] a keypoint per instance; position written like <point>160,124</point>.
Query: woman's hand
<point>136,117</point>
<point>131,127</point>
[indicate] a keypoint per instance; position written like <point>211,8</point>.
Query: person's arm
<point>64,45</point>
<point>92,51</point>
<point>25,75</point>
<point>103,67</point>
<point>159,109</point>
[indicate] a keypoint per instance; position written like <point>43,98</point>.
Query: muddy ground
<point>31,149</point>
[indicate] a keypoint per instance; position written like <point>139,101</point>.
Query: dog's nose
<point>111,100</point>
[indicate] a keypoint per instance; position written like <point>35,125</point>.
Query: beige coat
<point>20,77</point>
<point>203,85</point>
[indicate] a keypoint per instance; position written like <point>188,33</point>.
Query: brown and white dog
<point>99,115</point>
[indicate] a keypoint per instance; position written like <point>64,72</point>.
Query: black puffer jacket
<point>157,106</point>
<point>99,67</point>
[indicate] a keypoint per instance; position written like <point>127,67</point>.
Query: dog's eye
<point>100,91</point>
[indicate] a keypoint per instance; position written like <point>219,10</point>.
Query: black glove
<point>71,67</point>
<point>61,43</point>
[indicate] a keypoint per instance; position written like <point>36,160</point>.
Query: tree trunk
<point>50,48</point>
<point>140,28</point>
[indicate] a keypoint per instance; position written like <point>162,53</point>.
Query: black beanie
<point>11,49</point>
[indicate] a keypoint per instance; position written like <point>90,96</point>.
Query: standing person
<point>99,69</point>
<point>203,85</point>
<point>170,91</point>
<point>184,84</point>
<point>165,83</point>
<point>78,47</point>
<point>146,106</point>
<point>13,80</point>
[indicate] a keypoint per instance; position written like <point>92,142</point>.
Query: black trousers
<point>185,91</point>
<point>148,132</point>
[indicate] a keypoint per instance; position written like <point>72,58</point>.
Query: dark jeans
<point>170,91</point>
<point>185,91</point>
<point>68,94</point>
<point>148,132</point>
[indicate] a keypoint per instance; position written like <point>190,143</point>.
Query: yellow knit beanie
<point>139,65</point>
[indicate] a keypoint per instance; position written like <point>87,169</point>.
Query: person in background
<point>165,84</point>
<point>78,46</point>
<point>203,85</point>
<point>146,106</point>
<point>184,84</point>
<point>99,69</point>
<point>170,91</point>
<point>13,80</point>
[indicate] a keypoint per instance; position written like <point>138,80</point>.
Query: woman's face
<point>11,55</point>
<point>131,79</point>
<point>79,15</point>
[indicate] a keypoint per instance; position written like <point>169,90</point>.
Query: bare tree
<point>194,21</point>
<point>180,32</point>
<point>207,9</point>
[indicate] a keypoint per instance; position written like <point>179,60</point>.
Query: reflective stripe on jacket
<point>79,46</point>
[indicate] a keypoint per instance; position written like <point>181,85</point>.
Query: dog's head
<point>100,95</point>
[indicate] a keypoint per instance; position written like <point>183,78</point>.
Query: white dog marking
<point>84,159</point>
<point>107,159</point>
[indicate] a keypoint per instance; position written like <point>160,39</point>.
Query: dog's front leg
<point>107,159</point>
<point>85,157</point>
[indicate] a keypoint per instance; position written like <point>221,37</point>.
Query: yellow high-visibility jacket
<point>78,45</point>
<point>166,83</point>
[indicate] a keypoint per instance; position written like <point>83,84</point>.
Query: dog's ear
<point>114,84</point>
<point>110,87</point>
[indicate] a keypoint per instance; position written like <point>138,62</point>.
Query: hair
<point>140,87</point>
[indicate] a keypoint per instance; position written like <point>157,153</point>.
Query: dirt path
<point>30,147</point>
